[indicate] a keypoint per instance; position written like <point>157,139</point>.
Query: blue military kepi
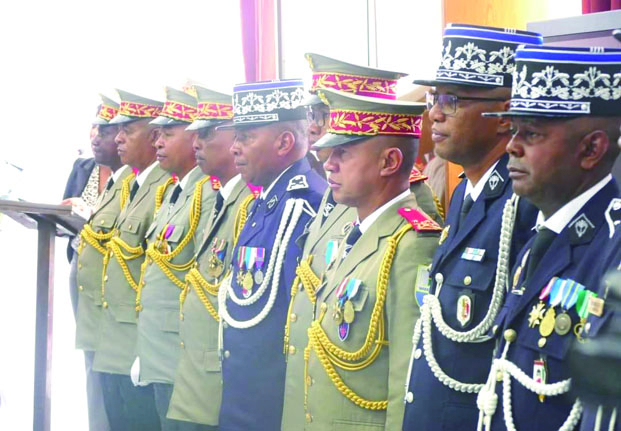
<point>479,56</point>
<point>565,82</point>
<point>258,104</point>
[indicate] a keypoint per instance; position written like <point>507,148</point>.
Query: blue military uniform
<point>559,270</point>
<point>452,351</point>
<point>253,366</point>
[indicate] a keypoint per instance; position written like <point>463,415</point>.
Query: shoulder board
<point>417,176</point>
<point>298,182</point>
<point>420,221</point>
<point>255,190</point>
<point>215,182</point>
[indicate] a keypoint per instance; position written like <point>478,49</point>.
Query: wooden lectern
<point>49,220</point>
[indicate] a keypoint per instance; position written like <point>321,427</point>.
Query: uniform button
<point>182,344</point>
<point>324,306</point>
<point>542,342</point>
<point>102,221</point>
<point>254,223</point>
<point>293,317</point>
<point>510,335</point>
<point>105,278</point>
<point>499,376</point>
<point>467,280</point>
<point>130,226</point>
<point>227,354</point>
<point>587,327</point>
<point>409,397</point>
<point>439,277</point>
<point>309,418</point>
<point>417,353</point>
<point>292,350</point>
<point>105,304</point>
<point>80,287</point>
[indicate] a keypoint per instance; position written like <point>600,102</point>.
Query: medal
<point>582,307</point>
<point>241,251</point>
<point>547,324</point>
<point>568,292</point>
<point>348,313</point>
<point>595,306</point>
<point>518,271</point>
<point>343,331</point>
<point>259,261</point>
<point>216,260</point>
<point>338,314</point>
<point>540,374</point>
<point>247,284</point>
<point>562,324</point>
<point>537,313</point>
<point>464,308</point>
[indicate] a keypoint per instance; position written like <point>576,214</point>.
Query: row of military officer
<point>242,294</point>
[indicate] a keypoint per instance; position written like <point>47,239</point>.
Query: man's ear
<point>593,148</point>
<point>391,161</point>
<point>154,135</point>
<point>285,142</point>
<point>504,123</point>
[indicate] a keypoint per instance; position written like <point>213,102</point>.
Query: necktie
<point>218,205</point>
<point>465,208</point>
<point>175,194</point>
<point>542,242</point>
<point>109,184</point>
<point>351,239</point>
<point>134,190</point>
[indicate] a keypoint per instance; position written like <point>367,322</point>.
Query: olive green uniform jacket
<point>382,378</point>
<point>198,382</point>
<point>116,347</point>
<point>158,322</point>
<point>90,266</point>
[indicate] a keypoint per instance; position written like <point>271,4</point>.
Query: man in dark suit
<point>565,115</point>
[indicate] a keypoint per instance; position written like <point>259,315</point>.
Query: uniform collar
<point>269,188</point>
<point>184,181</point>
<point>226,189</point>
<point>142,176</point>
<point>475,190</point>
<point>367,222</point>
<point>561,218</point>
<point>117,174</point>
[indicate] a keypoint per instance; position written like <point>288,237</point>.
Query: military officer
<point>198,381</point>
<point>129,407</point>
<point>269,150</point>
<point>171,240</point>
<point>322,236</point>
<point>93,238</point>
<point>561,155</point>
<point>359,339</point>
<point>469,269</point>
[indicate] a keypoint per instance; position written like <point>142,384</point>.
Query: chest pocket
<point>131,230</point>
<point>468,274</point>
<point>361,298</point>
<point>104,221</point>
<point>556,346</point>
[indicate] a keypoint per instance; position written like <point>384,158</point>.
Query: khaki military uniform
<point>373,381</point>
<point>163,281</point>
<point>90,263</point>
<point>198,381</point>
<point>116,348</point>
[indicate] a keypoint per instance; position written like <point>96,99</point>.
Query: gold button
<point>409,397</point>
<point>292,350</point>
<point>439,278</point>
<point>510,335</point>
<point>105,278</point>
<point>130,226</point>
<point>542,342</point>
<point>309,418</point>
<point>80,287</point>
<point>227,354</point>
<point>324,306</point>
<point>182,344</point>
<point>102,221</point>
<point>105,304</point>
<point>499,376</point>
<point>467,280</point>
<point>293,317</point>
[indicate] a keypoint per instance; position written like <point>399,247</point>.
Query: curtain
<point>590,6</point>
<point>258,20</point>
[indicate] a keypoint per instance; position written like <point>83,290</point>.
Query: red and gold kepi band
<point>214,111</point>
<point>374,123</point>
<point>139,110</point>
<point>178,111</point>
<point>361,85</point>
<point>107,112</point>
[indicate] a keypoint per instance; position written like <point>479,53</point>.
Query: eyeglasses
<point>316,116</point>
<point>448,102</point>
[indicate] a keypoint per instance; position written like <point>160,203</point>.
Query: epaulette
<point>420,221</point>
<point>215,183</point>
<point>417,176</point>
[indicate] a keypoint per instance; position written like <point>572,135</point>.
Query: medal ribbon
<point>352,288</point>
<point>556,294</point>
<point>340,290</point>
<point>241,252</point>
<point>169,230</point>
<point>220,249</point>
<point>545,292</point>
<point>570,295</point>
<point>259,258</point>
<point>250,257</point>
<point>331,250</point>
<point>582,304</point>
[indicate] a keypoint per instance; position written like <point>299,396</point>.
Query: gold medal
<point>562,324</point>
<point>349,313</point>
<point>337,315</point>
<point>536,314</point>
<point>240,277</point>
<point>248,282</point>
<point>547,324</point>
